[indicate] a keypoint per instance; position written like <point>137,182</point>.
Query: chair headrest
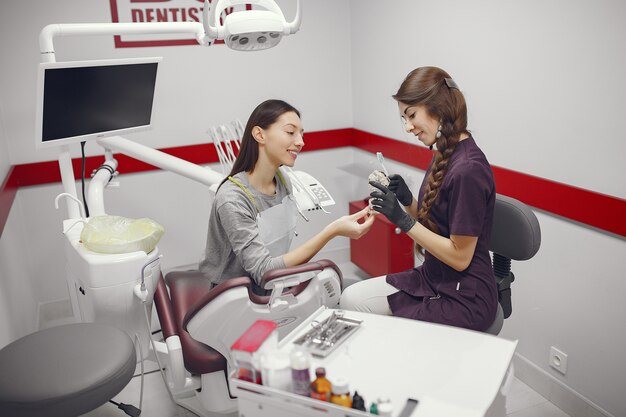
<point>515,234</point>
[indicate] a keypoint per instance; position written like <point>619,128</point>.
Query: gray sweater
<point>233,247</point>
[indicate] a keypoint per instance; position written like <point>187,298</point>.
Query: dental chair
<point>515,235</point>
<point>200,323</point>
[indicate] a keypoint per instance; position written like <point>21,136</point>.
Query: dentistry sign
<point>134,11</point>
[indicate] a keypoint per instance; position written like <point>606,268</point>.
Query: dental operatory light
<point>249,30</point>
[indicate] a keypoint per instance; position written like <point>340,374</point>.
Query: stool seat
<point>64,371</point>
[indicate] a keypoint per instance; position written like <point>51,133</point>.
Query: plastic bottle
<point>340,392</point>
<point>321,387</point>
<point>385,408</point>
<point>300,373</point>
<point>276,370</point>
<point>357,402</point>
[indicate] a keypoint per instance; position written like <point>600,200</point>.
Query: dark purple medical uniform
<point>465,207</point>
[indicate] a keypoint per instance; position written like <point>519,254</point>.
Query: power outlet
<point>558,360</point>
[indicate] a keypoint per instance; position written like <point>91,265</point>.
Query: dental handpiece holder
<point>107,288</point>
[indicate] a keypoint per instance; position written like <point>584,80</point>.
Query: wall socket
<point>558,360</point>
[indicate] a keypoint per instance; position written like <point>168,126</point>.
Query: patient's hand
<point>349,226</point>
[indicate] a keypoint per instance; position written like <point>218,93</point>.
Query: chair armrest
<point>282,276</point>
<point>295,275</point>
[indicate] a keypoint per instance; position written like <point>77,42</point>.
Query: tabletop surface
<point>449,370</point>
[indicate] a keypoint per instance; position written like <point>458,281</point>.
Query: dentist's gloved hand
<point>400,189</point>
<point>385,202</point>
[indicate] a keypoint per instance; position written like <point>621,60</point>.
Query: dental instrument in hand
<point>381,160</point>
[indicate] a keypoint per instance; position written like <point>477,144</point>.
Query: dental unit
<point>120,288</point>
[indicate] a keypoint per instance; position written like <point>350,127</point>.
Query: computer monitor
<point>83,100</point>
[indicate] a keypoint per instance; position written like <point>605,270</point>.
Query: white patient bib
<point>277,225</point>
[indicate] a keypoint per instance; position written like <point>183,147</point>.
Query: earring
<point>438,135</point>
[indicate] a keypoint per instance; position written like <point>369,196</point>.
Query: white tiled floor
<point>522,401</point>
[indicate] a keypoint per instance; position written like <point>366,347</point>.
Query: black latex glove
<point>385,202</point>
<point>400,189</point>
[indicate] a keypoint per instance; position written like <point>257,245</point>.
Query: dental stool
<point>515,235</point>
<point>64,371</point>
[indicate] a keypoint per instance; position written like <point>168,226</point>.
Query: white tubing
<point>95,192</point>
<point>142,369</point>
<point>67,178</point>
<point>156,353</point>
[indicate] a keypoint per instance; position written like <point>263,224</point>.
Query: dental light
<point>249,30</point>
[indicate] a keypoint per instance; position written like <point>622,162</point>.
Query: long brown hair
<point>264,115</point>
<point>433,88</point>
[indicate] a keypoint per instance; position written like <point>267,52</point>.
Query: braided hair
<point>433,88</point>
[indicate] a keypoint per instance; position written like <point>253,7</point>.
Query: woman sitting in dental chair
<point>253,217</point>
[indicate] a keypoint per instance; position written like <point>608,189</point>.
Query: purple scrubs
<point>434,291</point>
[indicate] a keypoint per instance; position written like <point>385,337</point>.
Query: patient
<point>253,216</point>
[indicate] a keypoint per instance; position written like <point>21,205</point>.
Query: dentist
<point>450,221</point>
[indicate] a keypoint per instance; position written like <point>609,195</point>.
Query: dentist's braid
<point>433,88</point>
<point>445,148</point>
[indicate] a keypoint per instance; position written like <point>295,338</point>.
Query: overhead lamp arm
<point>295,25</point>
<point>49,32</point>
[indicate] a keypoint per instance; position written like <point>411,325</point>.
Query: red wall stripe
<point>602,211</point>
<point>594,209</point>
<point>8,189</point>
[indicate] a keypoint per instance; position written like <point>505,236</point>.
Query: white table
<point>450,371</point>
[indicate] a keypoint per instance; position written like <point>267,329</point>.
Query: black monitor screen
<point>80,101</point>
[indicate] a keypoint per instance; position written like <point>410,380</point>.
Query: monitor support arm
<point>137,151</point>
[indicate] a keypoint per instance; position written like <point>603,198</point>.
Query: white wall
<point>543,80</point>
<point>18,300</point>
<point>5,164</point>
<point>545,91</point>
<point>15,289</point>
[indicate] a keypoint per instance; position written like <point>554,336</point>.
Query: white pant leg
<point>368,296</point>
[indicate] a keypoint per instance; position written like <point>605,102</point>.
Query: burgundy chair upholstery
<point>185,289</point>
<point>269,276</point>
<point>190,291</point>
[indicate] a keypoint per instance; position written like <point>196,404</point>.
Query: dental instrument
<point>225,164</point>
<point>238,127</point>
<point>226,137</point>
<point>381,160</point>
<point>222,137</point>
